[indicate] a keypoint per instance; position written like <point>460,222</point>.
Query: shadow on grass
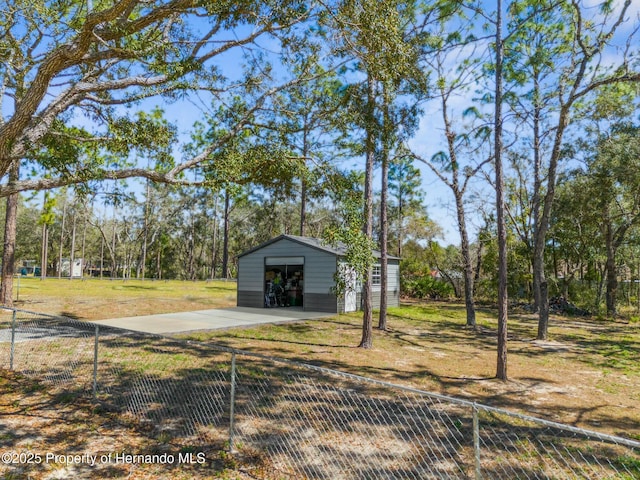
<point>321,425</point>
<point>139,287</point>
<point>230,288</point>
<point>63,420</point>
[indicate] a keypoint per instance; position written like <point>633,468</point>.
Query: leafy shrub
<point>427,287</point>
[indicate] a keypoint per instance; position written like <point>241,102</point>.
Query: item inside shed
<point>284,285</point>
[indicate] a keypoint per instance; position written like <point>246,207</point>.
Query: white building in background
<point>73,271</point>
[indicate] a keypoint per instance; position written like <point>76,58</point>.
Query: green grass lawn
<point>95,299</point>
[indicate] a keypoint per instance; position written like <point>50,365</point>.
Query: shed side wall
<point>393,287</point>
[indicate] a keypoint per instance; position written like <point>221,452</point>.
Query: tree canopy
<point>72,71</point>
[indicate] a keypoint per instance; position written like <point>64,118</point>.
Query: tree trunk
<point>537,192</point>
<point>400,228</point>
<point>466,259</point>
<point>145,233</point>
<point>400,197</point>
<point>638,290</point>
<point>303,190</point>
<point>478,266</point>
<point>542,224</point>
<point>612,274</point>
<point>501,370</point>
<point>225,243</point>
<point>452,282</point>
<point>191,245</point>
<point>72,256</point>
<point>159,263</point>
<point>101,256</point>
<point>544,305</point>
<point>542,217</point>
<point>214,236</point>
<point>384,221</point>
<point>603,272</point>
<point>458,193</point>
<point>84,244</point>
<point>541,292</point>
<point>367,306</point>
<point>113,249</point>
<point>44,250</point>
<point>64,218</point>
<point>10,227</point>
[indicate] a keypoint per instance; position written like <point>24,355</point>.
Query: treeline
<point>593,250</point>
<point>189,233</point>
<point>165,232</point>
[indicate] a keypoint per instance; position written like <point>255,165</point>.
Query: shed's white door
<point>350,302</point>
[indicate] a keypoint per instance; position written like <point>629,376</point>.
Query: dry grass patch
<point>45,425</point>
<point>587,375</point>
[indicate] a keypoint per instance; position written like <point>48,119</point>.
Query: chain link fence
<point>302,421</point>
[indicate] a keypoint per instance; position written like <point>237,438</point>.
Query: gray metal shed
<point>299,271</point>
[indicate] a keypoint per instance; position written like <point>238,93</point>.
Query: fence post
<point>95,362</point>
<point>476,442</point>
<point>232,401</point>
<point>13,339</point>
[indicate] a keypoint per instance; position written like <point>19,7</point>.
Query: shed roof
<point>311,242</point>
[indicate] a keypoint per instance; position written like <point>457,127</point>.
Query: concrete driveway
<point>211,319</point>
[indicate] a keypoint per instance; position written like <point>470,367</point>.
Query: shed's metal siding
<point>393,287</point>
<point>319,268</point>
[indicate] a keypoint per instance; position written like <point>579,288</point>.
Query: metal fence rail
<point>309,422</point>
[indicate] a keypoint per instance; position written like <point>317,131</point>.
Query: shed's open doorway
<point>284,282</point>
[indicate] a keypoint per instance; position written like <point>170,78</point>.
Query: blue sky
<point>427,141</point>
